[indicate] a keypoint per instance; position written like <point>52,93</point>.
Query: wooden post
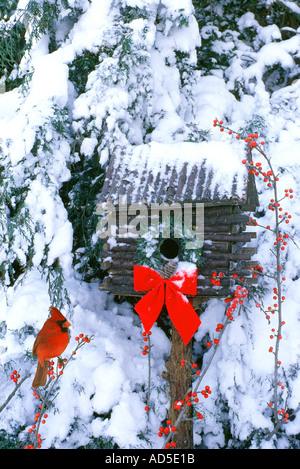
<point>180,381</point>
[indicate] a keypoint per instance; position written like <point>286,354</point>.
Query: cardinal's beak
<point>66,324</point>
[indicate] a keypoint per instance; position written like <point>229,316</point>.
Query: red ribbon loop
<point>180,310</point>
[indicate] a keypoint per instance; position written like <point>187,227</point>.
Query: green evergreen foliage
<point>80,196</point>
<point>15,227</point>
<point>7,7</point>
<point>21,28</point>
<point>8,441</point>
<point>223,39</point>
<point>80,69</point>
<point>12,46</point>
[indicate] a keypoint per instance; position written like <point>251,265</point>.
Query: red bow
<point>180,310</point>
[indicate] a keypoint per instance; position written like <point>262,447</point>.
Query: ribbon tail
<point>149,307</point>
<point>182,314</point>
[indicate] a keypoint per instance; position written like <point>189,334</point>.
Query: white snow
<point>102,393</point>
<point>221,157</point>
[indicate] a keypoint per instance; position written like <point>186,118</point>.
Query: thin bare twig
<point>13,392</point>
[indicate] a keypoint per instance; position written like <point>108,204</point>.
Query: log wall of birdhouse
<point>224,250</point>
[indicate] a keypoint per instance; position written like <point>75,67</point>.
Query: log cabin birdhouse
<point>151,180</point>
<point>155,177</point>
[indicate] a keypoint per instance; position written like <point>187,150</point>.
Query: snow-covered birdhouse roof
<point>208,172</point>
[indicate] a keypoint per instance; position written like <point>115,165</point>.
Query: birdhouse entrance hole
<point>169,248</point>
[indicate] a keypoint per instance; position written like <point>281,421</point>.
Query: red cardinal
<point>51,341</point>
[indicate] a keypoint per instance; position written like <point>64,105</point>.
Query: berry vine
<point>15,376</point>
<point>281,238</point>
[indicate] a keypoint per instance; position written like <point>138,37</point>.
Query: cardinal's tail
<point>40,378</point>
